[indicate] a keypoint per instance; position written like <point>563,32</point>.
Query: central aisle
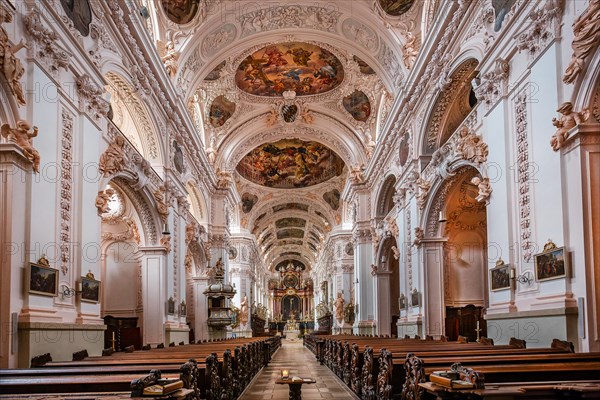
<point>300,362</point>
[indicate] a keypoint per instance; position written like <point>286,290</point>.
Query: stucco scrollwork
<point>544,26</point>
<point>494,84</point>
<point>289,16</point>
<point>46,41</point>
<point>471,147</point>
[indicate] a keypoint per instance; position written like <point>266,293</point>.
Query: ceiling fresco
<point>216,72</point>
<point>332,198</point>
<point>396,7</point>
<point>248,202</point>
<point>304,68</point>
<point>363,66</point>
<point>290,222</point>
<point>290,163</point>
<point>180,11</point>
<point>221,110</point>
<point>290,233</point>
<point>290,206</point>
<point>358,105</point>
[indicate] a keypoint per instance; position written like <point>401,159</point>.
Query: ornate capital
<point>494,84</point>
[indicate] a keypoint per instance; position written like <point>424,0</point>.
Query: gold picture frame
<point>90,290</point>
<point>42,280</point>
<point>500,276</point>
<point>552,263</point>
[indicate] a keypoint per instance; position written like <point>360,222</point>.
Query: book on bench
<point>162,387</point>
<point>450,379</point>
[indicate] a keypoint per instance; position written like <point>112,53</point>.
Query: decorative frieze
<point>66,190</point>
<point>523,178</point>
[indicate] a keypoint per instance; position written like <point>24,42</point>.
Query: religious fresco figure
<point>80,13</point>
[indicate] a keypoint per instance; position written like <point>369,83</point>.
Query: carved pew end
<point>80,355</point>
<point>563,345</point>
<point>107,352</point>
<point>518,343</point>
<point>146,347</point>
<point>172,344</point>
<point>182,343</point>
<point>40,360</point>
<point>160,346</point>
<point>129,349</point>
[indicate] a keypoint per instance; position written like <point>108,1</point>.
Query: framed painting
<point>550,264</point>
<point>415,298</point>
<point>43,280</point>
<point>90,290</point>
<point>402,301</point>
<point>500,277</point>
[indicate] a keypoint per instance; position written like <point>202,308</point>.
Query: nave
<point>299,361</point>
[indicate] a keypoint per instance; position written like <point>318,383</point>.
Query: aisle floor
<point>300,362</point>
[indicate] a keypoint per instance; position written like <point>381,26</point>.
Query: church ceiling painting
<point>332,198</point>
<point>304,68</point>
<point>290,206</point>
<point>396,7</point>
<point>221,110</point>
<point>290,163</point>
<point>215,73</point>
<point>248,202</point>
<point>358,105</point>
<point>290,233</point>
<point>290,253</point>
<point>290,222</point>
<point>181,11</point>
<point>364,67</point>
<point>501,8</point>
<point>289,242</point>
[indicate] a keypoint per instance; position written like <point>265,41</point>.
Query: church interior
<point>360,199</point>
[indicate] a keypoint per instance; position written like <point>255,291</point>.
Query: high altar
<point>291,295</point>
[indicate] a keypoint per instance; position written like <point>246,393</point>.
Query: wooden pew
<point>234,370</point>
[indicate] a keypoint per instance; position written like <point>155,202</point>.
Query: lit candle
<point>478,325</point>
<point>285,374</point>
<point>113,337</point>
<point>79,286</point>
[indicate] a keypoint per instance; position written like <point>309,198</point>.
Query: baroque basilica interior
<point>300,177</point>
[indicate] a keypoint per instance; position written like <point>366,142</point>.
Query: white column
<point>154,295</point>
<point>15,185</point>
<point>200,308</point>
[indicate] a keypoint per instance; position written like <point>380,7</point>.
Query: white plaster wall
<point>120,280</point>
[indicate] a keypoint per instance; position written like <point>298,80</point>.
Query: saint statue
<point>113,159</point>
<point>244,311</point>
<point>339,307</point>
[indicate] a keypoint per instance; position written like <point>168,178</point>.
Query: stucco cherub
<point>567,120</point>
<point>23,137</point>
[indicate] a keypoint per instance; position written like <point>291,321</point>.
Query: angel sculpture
<point>168,55</point>
<point>23,138</point>
<point>568,120</point>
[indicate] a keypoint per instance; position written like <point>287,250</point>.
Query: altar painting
<point>304,68</point>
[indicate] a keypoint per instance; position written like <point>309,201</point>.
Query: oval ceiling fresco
<point>358,105</point>
<point>221,110</point>
<point>181,11</point>
<point>304,68</point>
<point>396,7</point>
<point>290,163</point>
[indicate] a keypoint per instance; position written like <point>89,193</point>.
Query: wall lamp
<point>66,291</point>
<point>526,278</point>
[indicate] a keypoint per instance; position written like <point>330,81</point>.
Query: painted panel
<point>304,68</point>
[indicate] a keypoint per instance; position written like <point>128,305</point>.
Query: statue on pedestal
<point>23,138</point>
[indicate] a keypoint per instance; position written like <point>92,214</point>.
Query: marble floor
<point>300,362</point>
